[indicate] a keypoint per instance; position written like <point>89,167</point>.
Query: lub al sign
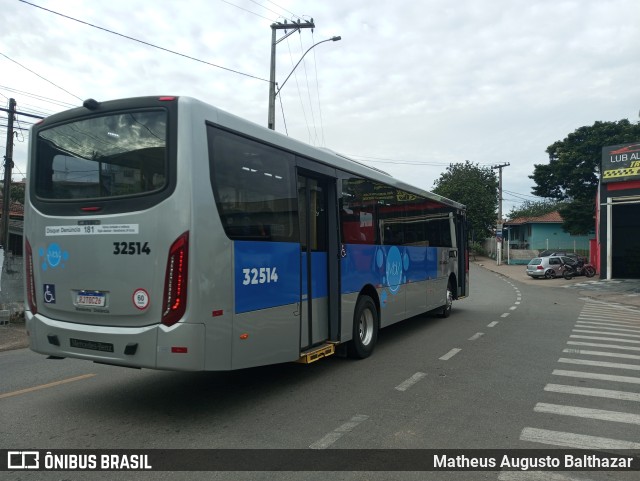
<point>621,162</point>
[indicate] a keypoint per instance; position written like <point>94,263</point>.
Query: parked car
<point>549,253</point>
<point>549,267</point>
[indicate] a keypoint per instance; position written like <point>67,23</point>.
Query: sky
<point>412,86</point>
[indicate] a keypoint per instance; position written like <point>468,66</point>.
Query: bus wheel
<point>445,311</point>
<point>365,328</point>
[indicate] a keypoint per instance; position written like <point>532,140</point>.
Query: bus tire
<point>365,328</point>
<point>445,311</point>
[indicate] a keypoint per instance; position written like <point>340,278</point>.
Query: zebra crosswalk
<point>597,384</point>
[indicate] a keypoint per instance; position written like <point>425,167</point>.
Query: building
<point>526,237</point>
<point>618,212</point>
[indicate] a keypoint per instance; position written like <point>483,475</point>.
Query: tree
<point>16,194</point>
<point>477,188</point>
<point>573,170</point>
<point>533,208</point>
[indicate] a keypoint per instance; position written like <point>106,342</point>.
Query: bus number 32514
<point>262,275</point>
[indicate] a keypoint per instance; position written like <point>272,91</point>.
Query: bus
<point>164,233</point>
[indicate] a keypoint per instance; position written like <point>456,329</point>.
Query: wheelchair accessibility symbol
<point>49,294</point>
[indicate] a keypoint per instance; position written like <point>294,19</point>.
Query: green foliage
<point>532,208</point>
<point>477,188</point>
<point>16,194</point>
<point>476,248</point>
<point>573,170</point>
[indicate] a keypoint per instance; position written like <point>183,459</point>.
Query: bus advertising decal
<point>53,257</point>
<point>387,266</point>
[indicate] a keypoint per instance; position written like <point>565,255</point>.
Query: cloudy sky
<point>413,85</point>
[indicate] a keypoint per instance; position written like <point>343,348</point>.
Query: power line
<point>282,8</point>
<point>260,5</point>
<point>146,43</point>
<point>35,73</point>
<point>246,10</point>
<point>38,97</point>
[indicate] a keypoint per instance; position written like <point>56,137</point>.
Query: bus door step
<point>317,353</point>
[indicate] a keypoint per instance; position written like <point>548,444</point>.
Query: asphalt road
<point>517,365</point>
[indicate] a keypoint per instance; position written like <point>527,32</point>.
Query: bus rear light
<point>30,279</point>
<point>166,99</point>
<point>174,303</point>
<point>179,350</point>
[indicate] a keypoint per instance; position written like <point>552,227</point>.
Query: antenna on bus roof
<point>91,104</point>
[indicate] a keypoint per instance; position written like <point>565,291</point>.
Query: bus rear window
<point>116,155</point>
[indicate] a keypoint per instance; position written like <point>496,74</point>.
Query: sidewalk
<point>620,291</point>
<point>13,336</point>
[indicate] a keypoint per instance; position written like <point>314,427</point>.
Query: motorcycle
<point>578,269</point>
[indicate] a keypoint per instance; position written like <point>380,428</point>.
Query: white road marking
<point>450,354</point>
<point>580,412</point>
<point>596,338</point>
<point>586,362</point>
<point>593,375</point>
<point>571,440</point>
<point>340,431</point>
<point>492,324</point>
<point>476,336</point>
<point>589,391</point>
<point>537,476</point>
<point>609,326</point>
<point>403,386</point>
<point>609,346</point>
<point>506,314</point>
<point>585,352</point>
<point>605,333</point>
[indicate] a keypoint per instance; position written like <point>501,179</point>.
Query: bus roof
<point>230,121</point>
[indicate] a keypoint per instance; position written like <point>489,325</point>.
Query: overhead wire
<point>295,77</point>
<point>149,44</point>
<point>37,74</point>
<point>246,10</point>
<point>315,65</point>
<point>306,76</point>
<point>260,5</point>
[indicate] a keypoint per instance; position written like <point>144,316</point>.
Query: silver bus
<point>164,233</point>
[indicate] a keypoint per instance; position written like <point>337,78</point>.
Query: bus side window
<point>254,188</point>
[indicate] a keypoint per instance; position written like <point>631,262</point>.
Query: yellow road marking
<point>45,386</point>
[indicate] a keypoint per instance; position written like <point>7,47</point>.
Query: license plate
<point>91,299</point>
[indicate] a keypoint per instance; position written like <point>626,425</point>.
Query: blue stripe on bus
<point>271,274</point>
<point>267,274</point>
<point>387,266</point>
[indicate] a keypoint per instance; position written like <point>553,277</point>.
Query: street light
<point>271,123</point>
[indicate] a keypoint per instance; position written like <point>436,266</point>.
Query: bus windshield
<point>114,155</point>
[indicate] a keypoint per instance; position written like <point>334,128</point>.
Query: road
<point>517,365</point>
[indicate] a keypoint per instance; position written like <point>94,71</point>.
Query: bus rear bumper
<point>179,347</point>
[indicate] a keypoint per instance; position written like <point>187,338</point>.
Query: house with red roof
<point>526,237</point>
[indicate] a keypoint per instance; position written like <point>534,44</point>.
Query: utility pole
<point>294,27</point>
<point>499,223</point>
<point>500,167</point>
<point>8,166</point>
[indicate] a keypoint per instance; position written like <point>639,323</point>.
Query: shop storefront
<point>618,216</point>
